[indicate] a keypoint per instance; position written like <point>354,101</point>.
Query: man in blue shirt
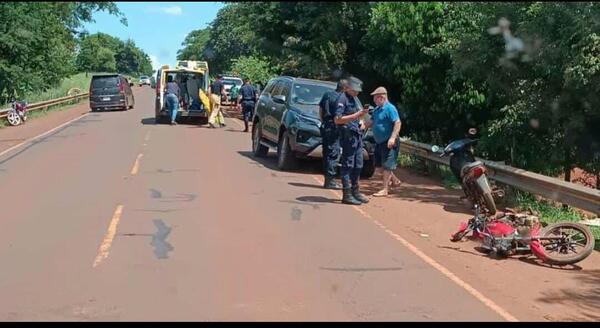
<point>246,100</point>
<point>347,116</point>
<point>385,123</point>
<point>330,134</point>
<point>172,98</point>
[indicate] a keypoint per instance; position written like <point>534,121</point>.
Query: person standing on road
<point>330,135</point>
<point>215,93</point>
<point>172,91</point>
<point>386,129</point>
<point>347,116</point>
<point>246,101</point>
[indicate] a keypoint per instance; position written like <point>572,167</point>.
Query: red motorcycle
<point>18,113</point>
<point>511,233</point>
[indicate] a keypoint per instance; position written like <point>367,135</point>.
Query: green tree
<point>258,70</point>
<point>194,45</point>
<point>37,43</point>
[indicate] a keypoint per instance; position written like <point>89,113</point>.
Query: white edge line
<point>41,135</point>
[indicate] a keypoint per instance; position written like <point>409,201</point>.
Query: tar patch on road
<point>159,240</point>
<point>155,194</point>
<point>296,214</point>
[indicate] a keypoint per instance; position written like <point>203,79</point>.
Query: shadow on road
<point>305,185</point>
<point>270,162</point>
<point>317,199</point>
<point>415,188</point>
<point>585,298</point>
<point>198,121</point>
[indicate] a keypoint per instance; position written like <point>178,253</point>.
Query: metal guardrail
<point>47,103</point>
<point>578,196</point>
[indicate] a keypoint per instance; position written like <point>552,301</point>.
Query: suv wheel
<point>285,156</point>
<point>257,149</point>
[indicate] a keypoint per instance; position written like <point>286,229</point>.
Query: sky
<point>158,28</point>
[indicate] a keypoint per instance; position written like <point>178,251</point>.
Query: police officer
<point>347,116</point>
<point>246,100</point>
<point>330,134</point>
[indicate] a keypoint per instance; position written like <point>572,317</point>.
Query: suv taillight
<point>122,88</point>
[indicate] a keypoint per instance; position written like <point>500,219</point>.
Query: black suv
<point>287,118</point>
<point>110,91</point>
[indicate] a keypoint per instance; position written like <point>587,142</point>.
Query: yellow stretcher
<point>206,102</point>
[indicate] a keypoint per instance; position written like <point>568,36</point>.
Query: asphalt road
<point>111,217</point>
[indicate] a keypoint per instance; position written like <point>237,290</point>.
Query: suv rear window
<point>105,82</point>
<point>143,77</point>
<point>309,94</point>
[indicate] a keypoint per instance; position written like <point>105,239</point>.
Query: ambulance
<point>193,80</point>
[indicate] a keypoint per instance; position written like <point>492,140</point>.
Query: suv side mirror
<point>280,99</point>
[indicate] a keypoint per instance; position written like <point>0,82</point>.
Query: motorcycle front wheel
<point>13,118</point>
<point>571,243</point>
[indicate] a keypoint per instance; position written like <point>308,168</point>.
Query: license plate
<point>106,99</point>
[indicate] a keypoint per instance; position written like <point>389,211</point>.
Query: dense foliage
<point>104,53</point>
<point>527,74</point>
<point>41,43</point>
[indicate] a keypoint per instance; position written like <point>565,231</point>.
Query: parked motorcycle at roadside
<point>18,113</point>
<point>512,233</point>
<point>470,172</point>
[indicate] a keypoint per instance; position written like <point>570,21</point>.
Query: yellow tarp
<point>205,101</point>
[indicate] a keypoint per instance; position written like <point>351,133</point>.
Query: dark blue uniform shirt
<point>346,105</point>
<point>328,103</point>
<point>216,87</point>
<point>248,92</point>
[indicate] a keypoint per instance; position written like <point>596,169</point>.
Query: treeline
<point>530,82</point>
<point>101,52</point>
<point>41,43</point>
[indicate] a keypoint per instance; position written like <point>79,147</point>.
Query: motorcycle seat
<point>468,167</point>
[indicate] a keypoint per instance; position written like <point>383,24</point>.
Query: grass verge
<point>80,81</point>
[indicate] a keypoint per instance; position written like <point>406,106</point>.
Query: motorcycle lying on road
<point>470,172</point>
<point>18,113</point>
<point>511,233</point>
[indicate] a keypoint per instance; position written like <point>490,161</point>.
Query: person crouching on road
<point>216,92</point>
<point>246,100</point>
<point>330,134</point>
<point>347,116</point>
<point>385,123</point>
<point>172,98</point>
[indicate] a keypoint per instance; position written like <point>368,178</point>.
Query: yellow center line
<point>110,235</point>
<point>471,290</point>
<point>136,165</point>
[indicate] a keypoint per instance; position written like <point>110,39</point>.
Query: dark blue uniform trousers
<point>331,148</point>
<point>352,157</point>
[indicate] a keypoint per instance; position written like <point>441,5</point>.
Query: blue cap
<point>355,84</point>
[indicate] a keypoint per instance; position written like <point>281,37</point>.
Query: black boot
<point>349,199</point>
<point>358,196</point>
<point>331,184</point>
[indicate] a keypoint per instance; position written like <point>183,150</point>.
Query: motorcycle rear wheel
<point>485,192</point>
<point>561,253</point>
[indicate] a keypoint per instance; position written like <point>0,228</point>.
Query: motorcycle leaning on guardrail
<point>470,172</point>
<point>18,113</point>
